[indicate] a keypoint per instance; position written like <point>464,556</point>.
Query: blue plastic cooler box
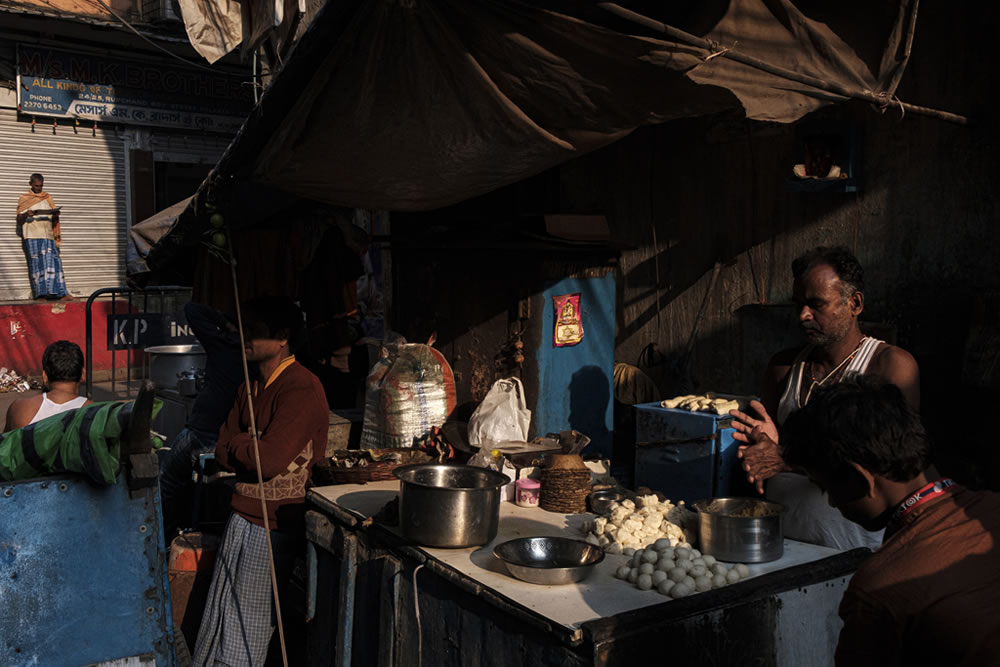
<point>686,455</point>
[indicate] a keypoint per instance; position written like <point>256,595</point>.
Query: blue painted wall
<point>575,383</point>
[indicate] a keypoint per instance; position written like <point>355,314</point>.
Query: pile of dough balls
<point>629,527</point>
<point>702,403</point>
<point>678,572</point>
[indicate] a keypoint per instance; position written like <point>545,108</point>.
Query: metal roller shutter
<point>192,150</point>
<point>86,175</point>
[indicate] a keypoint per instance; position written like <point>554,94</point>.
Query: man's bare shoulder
<point>785,358</point>
<point>21,411</point>
<point>898,366</point>
<point>889,358</point>
<point>776,375</point>
<point>27,403</point>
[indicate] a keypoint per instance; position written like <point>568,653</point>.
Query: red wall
<point>26,329</point>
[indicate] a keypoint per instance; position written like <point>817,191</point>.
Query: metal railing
<point>132,297</point>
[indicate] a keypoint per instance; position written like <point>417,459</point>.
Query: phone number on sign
<point>43,106</point>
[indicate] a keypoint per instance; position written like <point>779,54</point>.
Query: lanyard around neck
<point>919,497</point>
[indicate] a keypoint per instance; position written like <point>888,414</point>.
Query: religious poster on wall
<point>568,318</point>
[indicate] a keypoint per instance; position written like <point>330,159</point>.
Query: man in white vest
<point>62,373</point>
<point>829,297</point>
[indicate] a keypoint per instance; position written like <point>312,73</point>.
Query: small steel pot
<point>447,505</point>
<point>600,501</point>
<point>740,530</point>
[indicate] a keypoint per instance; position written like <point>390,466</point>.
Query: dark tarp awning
<point>415,105</point>
<point>145,235</point>
<point>424,104</point>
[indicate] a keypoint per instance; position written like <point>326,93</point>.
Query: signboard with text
<point>78,85</point>
<point>130,331</point>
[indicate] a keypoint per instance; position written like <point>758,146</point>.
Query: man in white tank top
<point>829,297</point>
<point>62,372</point>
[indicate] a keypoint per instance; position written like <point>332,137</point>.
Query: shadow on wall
<point>589,399</point>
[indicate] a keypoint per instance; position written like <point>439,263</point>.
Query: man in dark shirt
<point>928,595</point>
<point>223,374</point>
<point>291,420</point>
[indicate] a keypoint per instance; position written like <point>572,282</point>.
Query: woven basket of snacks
<point>356,466</point>
<point>565,485</point>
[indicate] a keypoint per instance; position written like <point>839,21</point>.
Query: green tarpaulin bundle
<point>86,440</point>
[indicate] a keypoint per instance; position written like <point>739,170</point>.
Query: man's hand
<point>761,459</point>
<point>744,423</point>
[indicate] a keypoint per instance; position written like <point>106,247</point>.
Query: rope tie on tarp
<point>886,100</point>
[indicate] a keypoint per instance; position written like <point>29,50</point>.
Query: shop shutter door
<point>86,177</point>
<point>186,149</point>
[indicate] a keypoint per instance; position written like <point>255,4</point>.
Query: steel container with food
<point>740,530</point>
<point>448,505</point>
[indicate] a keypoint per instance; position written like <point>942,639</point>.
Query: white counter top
<point>598,596</point>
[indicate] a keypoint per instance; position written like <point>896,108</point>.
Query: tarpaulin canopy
<point>418,104</point>
<point>144,235</point>
<point>214,27</point>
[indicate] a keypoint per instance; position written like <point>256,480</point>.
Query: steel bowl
<point>447,505</point>
<point>549,561</point>
<point>600,501</point>
<point>740,530</point>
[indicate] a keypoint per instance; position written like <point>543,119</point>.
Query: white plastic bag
<point>503,416</point>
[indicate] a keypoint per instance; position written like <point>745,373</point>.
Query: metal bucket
<point>740,530</point>
<point>446,505</point>
<point>168,362</point>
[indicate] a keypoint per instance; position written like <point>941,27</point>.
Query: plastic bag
<point>410,390</point>
<point>503,416</point>
<point>494,460</point>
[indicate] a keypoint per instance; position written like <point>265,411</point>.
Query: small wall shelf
<point>824,143</point>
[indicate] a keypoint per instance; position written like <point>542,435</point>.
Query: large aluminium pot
<point>168,362</point>
<point>740,530</point>
<point>448,505</point>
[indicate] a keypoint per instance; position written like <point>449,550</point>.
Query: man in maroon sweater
<point>292,420</point>
<point>930,593</point>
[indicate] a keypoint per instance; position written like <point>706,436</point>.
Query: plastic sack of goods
<point>409,390</point>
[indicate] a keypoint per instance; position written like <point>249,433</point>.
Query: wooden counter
<point>784,614</point>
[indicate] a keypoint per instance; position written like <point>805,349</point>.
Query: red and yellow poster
<point>568,318</point>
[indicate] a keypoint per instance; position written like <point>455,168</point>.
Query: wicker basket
<point>326,472</point>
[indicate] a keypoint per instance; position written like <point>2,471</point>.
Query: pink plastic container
<point>527,492</point>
